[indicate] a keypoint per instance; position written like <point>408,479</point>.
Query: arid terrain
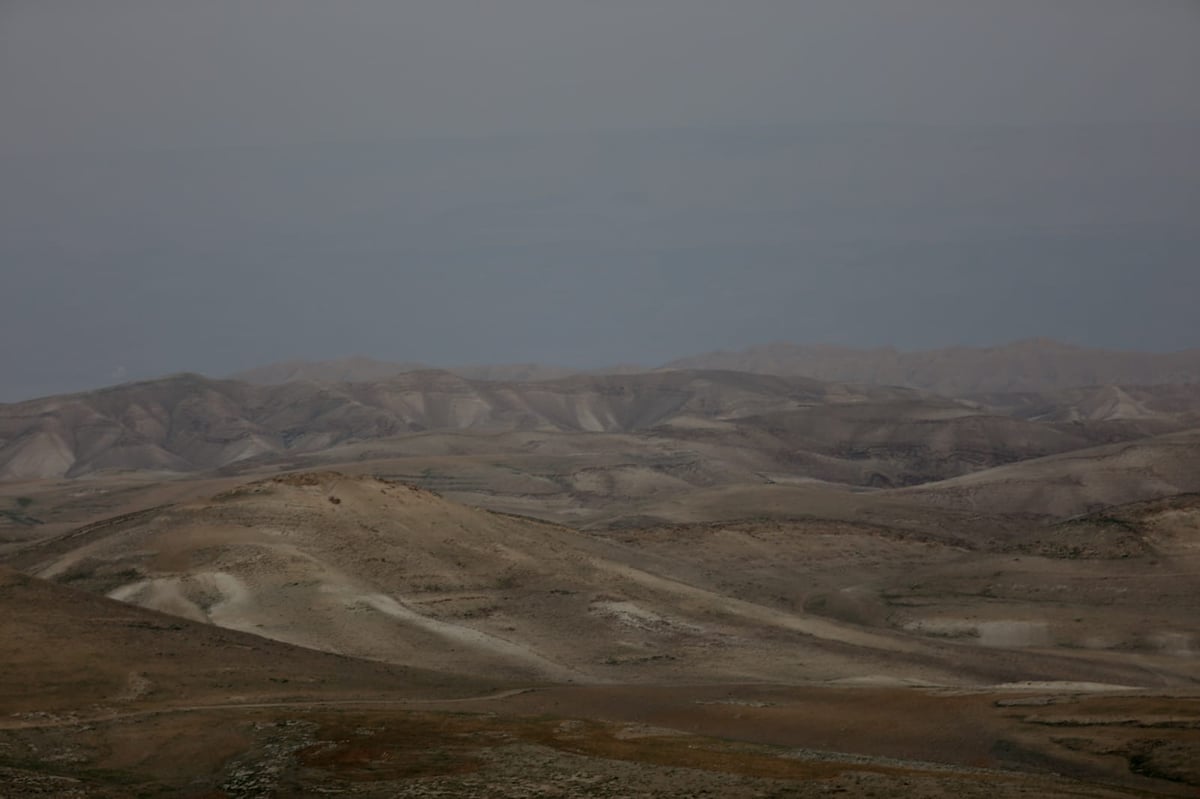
<point>1032,365</point>
<point>678,582</point>
<point>528,399</point>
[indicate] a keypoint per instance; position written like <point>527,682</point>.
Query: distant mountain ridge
<point>360,369</point>
<point>1033,365</point>
<point>338,370</point>
<point>864,430</point>
<point>188,422</point>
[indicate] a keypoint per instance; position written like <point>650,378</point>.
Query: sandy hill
<point>1076,482</point>
<point>1167,527</point>
<point>1150,408</point>
<point>379,570</point>
<point>320,559</point>
<point>54,634</point>
<point>905,441</point>
<point>1033,365</point>
<point>385,571</point>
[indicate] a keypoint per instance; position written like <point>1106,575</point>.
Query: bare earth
<point>719,586</point>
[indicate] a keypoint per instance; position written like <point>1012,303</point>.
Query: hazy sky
<point>209,185</point>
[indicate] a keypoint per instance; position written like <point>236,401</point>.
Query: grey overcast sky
<point>209,185</point>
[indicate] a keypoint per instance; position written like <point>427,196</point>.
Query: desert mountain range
<point>846,433</point>
<point>422,583</point>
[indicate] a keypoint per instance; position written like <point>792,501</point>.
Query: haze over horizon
<point>212,187</point>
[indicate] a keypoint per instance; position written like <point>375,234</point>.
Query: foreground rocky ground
<point>755,741</point>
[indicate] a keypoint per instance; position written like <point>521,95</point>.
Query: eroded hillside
<point>369,568</point>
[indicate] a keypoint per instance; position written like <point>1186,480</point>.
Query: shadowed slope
<point>66,649</point>
<point>1076,482</point>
